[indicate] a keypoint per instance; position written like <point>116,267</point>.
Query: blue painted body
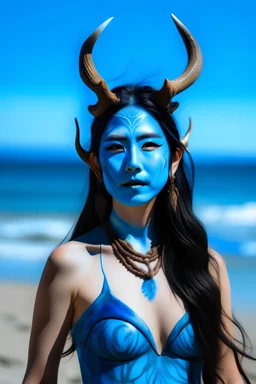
<point>114,345</point>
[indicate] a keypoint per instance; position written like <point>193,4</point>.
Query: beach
<point>39,205</point>
<point>16,307</point>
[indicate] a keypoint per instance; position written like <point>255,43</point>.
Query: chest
<point>160,315</point>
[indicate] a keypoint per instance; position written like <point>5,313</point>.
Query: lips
<point>134,182</point>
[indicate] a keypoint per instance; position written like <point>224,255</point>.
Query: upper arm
<point>227,366</point>
<point>51,319</point>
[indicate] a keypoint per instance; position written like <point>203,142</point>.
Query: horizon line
<point>68,154</point>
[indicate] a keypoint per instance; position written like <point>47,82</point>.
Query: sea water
<point>40,202</point>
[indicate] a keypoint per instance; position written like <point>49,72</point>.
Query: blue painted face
<point>133,147</point>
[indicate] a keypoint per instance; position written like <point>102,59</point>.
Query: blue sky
<point>41,91</point>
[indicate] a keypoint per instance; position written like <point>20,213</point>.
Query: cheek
<point>111,164</point>
<point>158,163</point>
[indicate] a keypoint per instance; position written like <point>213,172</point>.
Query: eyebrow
<point>141,137</point>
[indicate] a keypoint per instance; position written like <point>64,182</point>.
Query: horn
<point>83,154</point>
<point>184,140</point>
<point>91,77</point>
<point>194,66</point>
<point>87,157</point>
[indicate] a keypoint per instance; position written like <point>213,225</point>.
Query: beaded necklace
<point>128,256</point>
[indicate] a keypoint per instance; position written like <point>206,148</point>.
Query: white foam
<point>233,215</point>
<point>18,234</point>
<point>22,250</point>
<point>20,227</point>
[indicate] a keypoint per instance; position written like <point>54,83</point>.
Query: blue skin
<point>134,157</point>
<point>114,344</point>
<point>131,156</point>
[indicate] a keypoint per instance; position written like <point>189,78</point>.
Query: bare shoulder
<point>218,270</point>
<point>75,259</point>
<point>218,258</point>
<point>80,250</point>
<point>66,264</point>
<point>69,254</point>
<point>217,265</point>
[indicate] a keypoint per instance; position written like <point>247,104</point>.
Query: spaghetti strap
<point>105,283</point>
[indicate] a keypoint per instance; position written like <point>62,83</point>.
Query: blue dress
<point>114,345</point>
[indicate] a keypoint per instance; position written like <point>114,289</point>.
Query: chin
<point>136,201</point>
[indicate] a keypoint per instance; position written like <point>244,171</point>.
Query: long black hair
<point>186,255</point>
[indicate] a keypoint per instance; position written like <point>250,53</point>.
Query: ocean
<point>40,201</point>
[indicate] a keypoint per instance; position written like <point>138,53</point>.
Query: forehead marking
<point>131,119</point>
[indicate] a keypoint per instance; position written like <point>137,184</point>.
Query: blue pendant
<point>148,289</point>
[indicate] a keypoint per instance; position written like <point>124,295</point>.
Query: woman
<point>144,297</point>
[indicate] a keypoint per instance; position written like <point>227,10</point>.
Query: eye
<point>150,145</point>
<point>114,147</point>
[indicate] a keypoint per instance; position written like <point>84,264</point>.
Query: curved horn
<point>91,77</point>
<point>87,157</point>
<point>195,61</point>
<point>83,154</point>
<point>184,140</point>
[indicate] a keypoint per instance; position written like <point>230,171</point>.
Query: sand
<point>16,306</point>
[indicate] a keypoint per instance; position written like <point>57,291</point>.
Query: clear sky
<point>41,91</point>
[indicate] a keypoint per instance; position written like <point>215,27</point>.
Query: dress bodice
<point>114,345</point>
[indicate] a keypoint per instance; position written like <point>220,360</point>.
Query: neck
<point>134,224</point>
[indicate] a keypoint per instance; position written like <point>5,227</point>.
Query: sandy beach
<point>16,306</point>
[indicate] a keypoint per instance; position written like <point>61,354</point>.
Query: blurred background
<point>44,184</point>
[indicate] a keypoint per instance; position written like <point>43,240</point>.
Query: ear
<point>95,166</point>
<point>176,157</point>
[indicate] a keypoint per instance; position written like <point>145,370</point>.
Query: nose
<point>132,163</point>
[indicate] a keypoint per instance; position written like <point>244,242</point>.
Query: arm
<point>51,319</point>
<point>228,370</point>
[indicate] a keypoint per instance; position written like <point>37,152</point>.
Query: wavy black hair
<point>186,254</point>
